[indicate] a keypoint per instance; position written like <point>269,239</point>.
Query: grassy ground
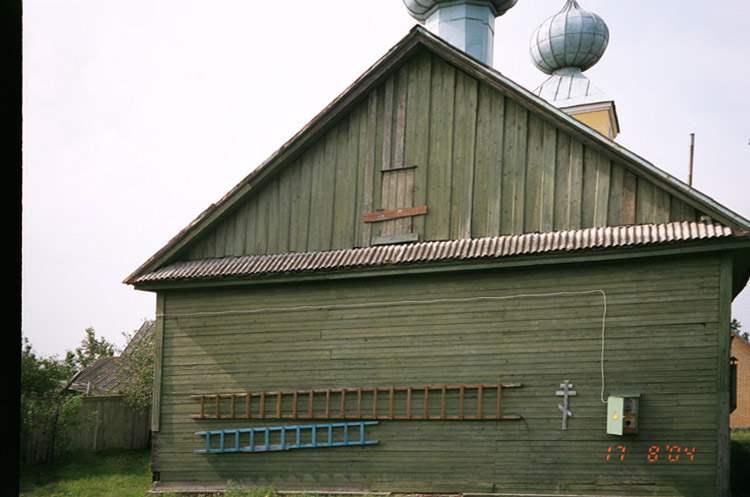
<point>127,474</point>
<point>104,474</point>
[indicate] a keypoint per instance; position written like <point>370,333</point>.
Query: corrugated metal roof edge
<point>420,252</point>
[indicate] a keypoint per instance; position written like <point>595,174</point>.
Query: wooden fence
<point>100,423</point>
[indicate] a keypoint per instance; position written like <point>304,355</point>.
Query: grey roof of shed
<point>448,250</point>
<point>417,38</point>
<point>104,376</point>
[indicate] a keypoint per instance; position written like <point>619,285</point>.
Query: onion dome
<point>572,38</point>
<point>422,9</point>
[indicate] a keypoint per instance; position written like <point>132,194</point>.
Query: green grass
<point>127,474</point>
<point>85,474</point>
<point>742,436</point>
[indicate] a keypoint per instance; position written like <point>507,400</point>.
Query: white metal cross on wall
<point>565,393</point>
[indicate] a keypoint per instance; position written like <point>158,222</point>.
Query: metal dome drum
<point>571,38</point>
<point>421,9</point>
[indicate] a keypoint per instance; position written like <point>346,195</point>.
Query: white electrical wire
<point>415,302</point>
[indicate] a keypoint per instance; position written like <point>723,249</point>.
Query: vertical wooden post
<point>158,359</point>
<point>723,441</point>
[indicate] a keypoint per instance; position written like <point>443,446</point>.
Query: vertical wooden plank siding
<point>563,172</point>
<point>464,136</point>
<point>439,173</point>
<point>549,161</point>
<point>575,186</point>
<point>367,159</point>
<point>417,131</point>
<point>629,186</point>
<point>614,216</point>
<point>645,202</point>
<point>488,163</point>
<point>483,165</point>
<point>272,241</point>
<point>514,169</point>
<point>345,185</point>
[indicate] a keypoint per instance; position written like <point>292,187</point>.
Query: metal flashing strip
<point>444,250</point>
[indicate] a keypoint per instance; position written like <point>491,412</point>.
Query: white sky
<point>139,114</point>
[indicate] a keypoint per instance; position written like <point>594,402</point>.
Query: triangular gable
<point>430,144</point>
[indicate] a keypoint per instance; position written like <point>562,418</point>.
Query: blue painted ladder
<point>296,442</point>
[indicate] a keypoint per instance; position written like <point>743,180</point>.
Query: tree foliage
<point>90,350</point>
<point>137,364</point>
<point>736,327</point>
<point>45,405</point>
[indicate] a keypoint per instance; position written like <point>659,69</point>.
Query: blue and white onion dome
<point>421,9</point>
<point>572,38</point>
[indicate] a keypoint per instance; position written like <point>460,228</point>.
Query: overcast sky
<point>139,114</point>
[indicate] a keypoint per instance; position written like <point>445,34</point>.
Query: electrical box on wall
<point>622,414</point>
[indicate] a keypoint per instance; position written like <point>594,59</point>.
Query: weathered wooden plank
<point>300,176</point>
<point>274,220</point>
<point>284,212</point>
<point>534,175</point>
<point>549,163</point>
<point>367,132</point>
<point>386,214</point>
<point>158,362</point>
<point>464,136</point>
<point>439,174</point>
<point>629,189</point>
<point>575,186</point>
<point>562,183</point>
<point>590,187</point>
<point>345,185</point>
<point>488,163</point>
<point>260,222</point>
<point>240,231</point>
<point>400,118</point>
<point>616,187</point>
<point>252,213</point>
<point>601,204</point>
<point>386,161</point>
<point>662,204</point>
<point>514,169</point>
<point>321,203</point>
<point>645,202</point>
<point>418,119</point>
<point>722,378</point>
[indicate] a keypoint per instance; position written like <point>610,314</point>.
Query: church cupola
<point>564,46</point>
<point>467,24</point>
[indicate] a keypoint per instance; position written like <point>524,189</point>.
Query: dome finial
<point>572,38</point>
<point>564,46</point>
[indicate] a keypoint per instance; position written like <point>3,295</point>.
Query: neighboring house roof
<point>166,262</point>
<point>464,249</point>
<point>104,376</point>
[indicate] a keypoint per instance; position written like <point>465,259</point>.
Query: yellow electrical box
<point>622,414</point>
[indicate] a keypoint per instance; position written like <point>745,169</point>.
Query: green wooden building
<point>447,256</point>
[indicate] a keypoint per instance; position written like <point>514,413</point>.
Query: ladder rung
<point>285,444</point>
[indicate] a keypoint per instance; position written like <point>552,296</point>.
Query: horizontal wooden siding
<point>534,327</point>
